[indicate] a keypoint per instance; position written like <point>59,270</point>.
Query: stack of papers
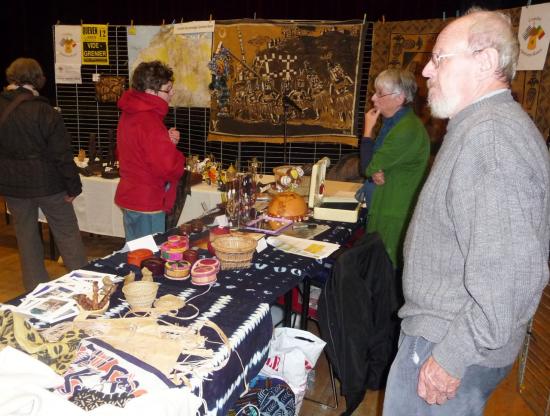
<point>303,247</point>
<point>53,301</point>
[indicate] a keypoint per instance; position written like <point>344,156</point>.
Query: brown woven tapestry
<point>109,88</point>
<point>314,64</point>
<point>408,45</point>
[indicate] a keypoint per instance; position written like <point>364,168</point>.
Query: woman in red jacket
<point>150,164</point>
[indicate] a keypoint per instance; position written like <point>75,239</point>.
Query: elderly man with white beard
<point>476,251</point>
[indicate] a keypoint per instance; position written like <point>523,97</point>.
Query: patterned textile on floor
<point>16,332</point>
<point>89,399</point>
<point>99,375</point>
<point>408,44</point>
<point>272,397</point>
<point>314,64</point>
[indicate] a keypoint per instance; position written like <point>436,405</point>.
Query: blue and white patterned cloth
<point>238,303</point>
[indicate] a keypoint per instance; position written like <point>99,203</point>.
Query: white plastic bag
<point>292,355</point>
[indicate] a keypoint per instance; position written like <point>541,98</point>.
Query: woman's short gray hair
<point>494,30</point>
<point>397,80</point>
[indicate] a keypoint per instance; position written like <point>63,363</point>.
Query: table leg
<point>305,303</point>
<point>288,309</point>
<point>7,216</point>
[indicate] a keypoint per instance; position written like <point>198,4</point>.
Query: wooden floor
<point>506,401</point>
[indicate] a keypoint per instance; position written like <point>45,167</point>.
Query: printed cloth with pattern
<point>18,333</point>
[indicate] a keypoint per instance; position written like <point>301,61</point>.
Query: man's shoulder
<point>503,117</point>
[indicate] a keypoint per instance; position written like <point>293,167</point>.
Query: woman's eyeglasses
<point>380,95</point>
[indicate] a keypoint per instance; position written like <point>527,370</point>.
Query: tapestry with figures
<point>409,44</point>
<point>264,73</point>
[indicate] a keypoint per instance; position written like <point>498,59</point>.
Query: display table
<point>238,303</point>
<point>98,214</point>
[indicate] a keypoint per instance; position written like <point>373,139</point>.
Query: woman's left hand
<point>174,135</point>
<point>371,117</point>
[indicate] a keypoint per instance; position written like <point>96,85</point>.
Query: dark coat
<point>35,150</point>
<point>358,317</point>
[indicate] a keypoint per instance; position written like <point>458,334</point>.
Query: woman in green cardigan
<point>399,158</point>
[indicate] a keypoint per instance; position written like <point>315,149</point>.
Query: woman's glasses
<point>380,95</point>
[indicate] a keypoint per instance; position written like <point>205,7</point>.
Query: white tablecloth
<point>95,207</point>
<point>98,214</point>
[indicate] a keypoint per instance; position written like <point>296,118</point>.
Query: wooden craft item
<point>155,265</point>
<point>135,257</point>
<point>93,303</point>
<point>146,275</point>
<point>129,278</point>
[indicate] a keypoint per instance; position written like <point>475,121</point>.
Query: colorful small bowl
<point>203,275</point>
<point>177,270</point>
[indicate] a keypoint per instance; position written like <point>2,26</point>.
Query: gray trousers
<point>64,226</point>
<point>401,398</point>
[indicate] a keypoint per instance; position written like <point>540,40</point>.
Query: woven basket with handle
<point>234,251</point>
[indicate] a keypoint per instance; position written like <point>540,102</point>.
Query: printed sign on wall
<point>533,37</point>
<point>67,54</point>
<point>95,45</point>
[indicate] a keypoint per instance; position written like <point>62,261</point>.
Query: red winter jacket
<point>150,164</point>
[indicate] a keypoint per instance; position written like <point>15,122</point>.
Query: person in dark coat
<point>37,170</point>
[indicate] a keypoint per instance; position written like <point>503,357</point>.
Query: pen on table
<point>303,225</point>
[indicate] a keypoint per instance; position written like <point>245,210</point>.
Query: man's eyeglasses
<point>437,58</point>
<point>165,91</point>
<point>380,95</point>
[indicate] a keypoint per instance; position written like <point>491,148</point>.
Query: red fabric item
<point>297,304</point>
<point>150,164</point>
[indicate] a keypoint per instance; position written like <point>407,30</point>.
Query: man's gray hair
<point>492,29</point>
<point>397,80</point>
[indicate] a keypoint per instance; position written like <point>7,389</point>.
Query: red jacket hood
<point>133,101</point>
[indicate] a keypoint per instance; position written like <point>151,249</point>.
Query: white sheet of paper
<point>143,242</point>
<point>302,247</point>
<point>221,221</point>
<point>68,73</point>
<point>261,245</point>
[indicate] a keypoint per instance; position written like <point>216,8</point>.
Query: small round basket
<point>234,251</point>
<point>140,294</point>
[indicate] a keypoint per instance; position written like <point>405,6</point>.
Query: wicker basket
<point>234,251</point>
<point>140,294</point>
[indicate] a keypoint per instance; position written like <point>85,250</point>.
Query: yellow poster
<point>95,45</point>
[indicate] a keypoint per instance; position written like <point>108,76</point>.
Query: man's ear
<point>487,61</point>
